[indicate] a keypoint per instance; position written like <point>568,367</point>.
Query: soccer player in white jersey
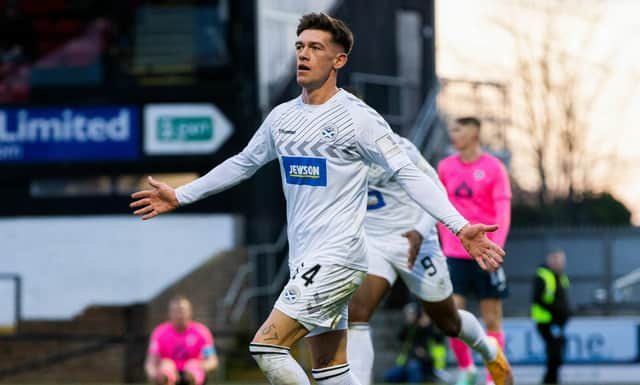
<point>392,218</point>
<point>324,140</point>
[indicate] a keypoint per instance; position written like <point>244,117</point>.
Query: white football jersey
<point>324,152</point>
<point>390,210</point>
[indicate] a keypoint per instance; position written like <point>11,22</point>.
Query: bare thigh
<point>280,330</point>
<point>367,298</point>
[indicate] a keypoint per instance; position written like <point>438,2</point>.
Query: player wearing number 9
<point>391,215</point>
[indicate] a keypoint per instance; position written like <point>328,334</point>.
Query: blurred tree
<point>591,210</point>
<point>553,93</point>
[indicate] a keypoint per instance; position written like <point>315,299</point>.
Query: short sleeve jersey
<point>473,188</point>
<point>195,342</point>
<point>324,153</point>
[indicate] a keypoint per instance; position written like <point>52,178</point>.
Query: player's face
<point>317,57</point>
<point>463,135</point>
<point>180,313</point>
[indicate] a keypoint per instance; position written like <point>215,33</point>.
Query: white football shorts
<point>429,279</point>
<point>318,296</point>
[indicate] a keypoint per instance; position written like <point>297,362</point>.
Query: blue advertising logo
<point>55,134</point>
<point>305,171</point>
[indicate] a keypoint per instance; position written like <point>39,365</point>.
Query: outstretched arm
<point>162,198</point>
<point>159,200</point>
<point>474,242</point>
<point>427,222</point>
<point>432,199</point>
<point>377,144</point>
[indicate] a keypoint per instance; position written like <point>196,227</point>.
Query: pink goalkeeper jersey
<point>195,341</point>
<point>481,192</point>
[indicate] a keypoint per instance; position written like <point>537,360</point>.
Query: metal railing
<point>260,291</point>
<point>623,288</point>
<point>17,284</point>
<point>427,119</point>
<point>234,303</point>
<point>400,115</point>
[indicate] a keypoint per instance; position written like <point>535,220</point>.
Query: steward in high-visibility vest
<point>550,310</point>
<point>550,302</point>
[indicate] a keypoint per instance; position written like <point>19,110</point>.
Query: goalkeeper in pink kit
<point>478,186</point>
<point>181,351</point>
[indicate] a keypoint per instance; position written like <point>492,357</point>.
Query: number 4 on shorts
<point>309,274</point>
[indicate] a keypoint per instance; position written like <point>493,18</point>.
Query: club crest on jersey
<point>302,170</point>
<point>291,294</point>
<point>329,133</point>
<point>478,174</point>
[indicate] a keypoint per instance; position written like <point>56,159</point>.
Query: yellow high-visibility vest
<point>538,313</point>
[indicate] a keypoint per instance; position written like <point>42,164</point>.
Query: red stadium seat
<point>39,7</point>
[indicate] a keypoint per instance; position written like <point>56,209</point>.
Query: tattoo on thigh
<point>271,333</point>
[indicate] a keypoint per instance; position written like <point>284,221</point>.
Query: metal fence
<point>602,266</point>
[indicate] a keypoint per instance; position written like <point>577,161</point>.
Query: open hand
<point>150,203</point>
<point>487,254</point>
<point>415,241</point>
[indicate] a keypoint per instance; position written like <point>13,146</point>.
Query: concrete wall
<point>67,263</point>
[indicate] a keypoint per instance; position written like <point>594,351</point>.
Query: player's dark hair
<point>340,33</point>
<point>469,121</point>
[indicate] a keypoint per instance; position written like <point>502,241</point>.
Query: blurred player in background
<point>181,351</point>
<point>324,140</point>
<point>477,184</point>
<point>392,219</point>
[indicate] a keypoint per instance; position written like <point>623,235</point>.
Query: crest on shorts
<point>291,294</point>
<point>329,133</point>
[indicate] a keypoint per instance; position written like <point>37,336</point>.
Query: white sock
<point>335,375</point>
<point>277,364</point>
<point>472,334</point>
<point>360,351</point>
